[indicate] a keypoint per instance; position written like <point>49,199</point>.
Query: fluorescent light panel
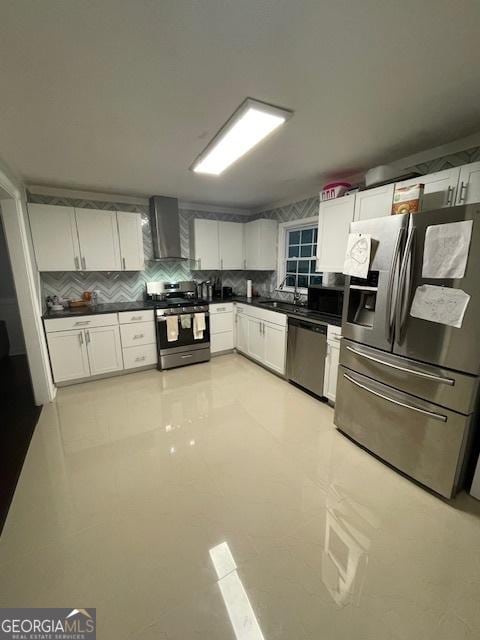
<point>250,124</point>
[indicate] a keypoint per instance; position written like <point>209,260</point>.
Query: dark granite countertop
<point>107,307</point>
<point>279,306</point>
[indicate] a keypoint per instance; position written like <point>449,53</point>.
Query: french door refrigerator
<point>408,387</point>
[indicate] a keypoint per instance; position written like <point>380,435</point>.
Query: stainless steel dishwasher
<point>306,351</point>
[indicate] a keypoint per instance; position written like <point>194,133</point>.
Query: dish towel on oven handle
<point>172,328</point>
<point>186,321</point>
<point>199,326</point>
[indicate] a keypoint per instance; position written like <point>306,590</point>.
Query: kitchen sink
<point>285,306</point>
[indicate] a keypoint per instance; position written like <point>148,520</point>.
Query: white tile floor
<point>217,502</point>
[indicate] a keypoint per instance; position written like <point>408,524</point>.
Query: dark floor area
<point>18,418</point>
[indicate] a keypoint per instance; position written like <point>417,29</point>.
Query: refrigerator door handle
<point>430,414</point>
<point>403,291</point>
<point>421,374</point>
<point>389,317</point>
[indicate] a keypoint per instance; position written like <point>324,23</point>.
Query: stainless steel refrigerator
<point>408,387</point>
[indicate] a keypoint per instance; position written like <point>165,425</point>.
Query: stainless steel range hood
<point>165,226</point>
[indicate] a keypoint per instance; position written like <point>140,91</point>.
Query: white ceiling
<point>121,96</point>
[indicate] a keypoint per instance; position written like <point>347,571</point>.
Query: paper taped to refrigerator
<point>445,252</point>
<point>440,304</point>
<point>357,257</point>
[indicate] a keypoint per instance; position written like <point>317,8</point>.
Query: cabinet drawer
<point>81,322</point>
<point>221,322</point>
<point>126,317</point>
<point>139,356</point>
<point>224,307</point>
<point>221,342</point>
<point>137,333</point>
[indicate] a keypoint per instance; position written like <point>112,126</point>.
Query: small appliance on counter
<point>326,300</point>
<point>227,292</point>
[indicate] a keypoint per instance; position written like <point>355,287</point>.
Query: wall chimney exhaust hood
<point>165,227</point>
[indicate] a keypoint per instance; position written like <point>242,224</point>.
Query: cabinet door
<point>275,347</point>
<point>374,203</point>
<point>54,236</point>
<point>206,246</point>
<point>241,335</point>
<point>440,188</point>
<point>68,355</point>
<point>256,343</point>
<point>333,226</point>
<point>131,241</point>
<point>469,184</point>
<point>104,349</point>
<point>231,242</point>
<point>261,245</point>
<point>98,237</point>
<point>331,371</point>
<point>252,245</point>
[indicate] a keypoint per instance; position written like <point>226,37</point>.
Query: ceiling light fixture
<point>251,123</point>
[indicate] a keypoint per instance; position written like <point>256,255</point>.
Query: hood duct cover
<point>165,226</point>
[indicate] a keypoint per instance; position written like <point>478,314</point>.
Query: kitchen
<point>237,403</point>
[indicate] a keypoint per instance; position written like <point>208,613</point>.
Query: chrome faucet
<point>297,296</point>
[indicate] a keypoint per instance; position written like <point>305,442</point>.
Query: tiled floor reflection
<point>217,502</point>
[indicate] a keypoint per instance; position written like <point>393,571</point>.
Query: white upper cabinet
<point>98,237</point>
<point>205,247</point>
<point>54,235</point>
<point>261,245</point>
<point>231,245</point>
<point>440,188</point>
<point>374,203</point>
<point>131,241</point>
<point>68,239</point>
<point>334,221</point>
<point>469,184</point>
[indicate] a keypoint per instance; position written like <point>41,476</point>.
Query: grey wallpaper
<point>124,286</point>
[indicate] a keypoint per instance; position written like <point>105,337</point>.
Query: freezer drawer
<point>424,441</point>
<point>451,389</point>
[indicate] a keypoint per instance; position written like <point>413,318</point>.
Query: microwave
<point>326,300</point>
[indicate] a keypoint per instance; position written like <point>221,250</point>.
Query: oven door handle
<point>430,414</point>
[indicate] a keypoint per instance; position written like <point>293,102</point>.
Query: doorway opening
<point>18,412</point>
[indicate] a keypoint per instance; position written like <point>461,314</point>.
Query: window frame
<point>283,229</point>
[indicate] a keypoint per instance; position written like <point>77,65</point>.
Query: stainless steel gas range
<point>182,324</point>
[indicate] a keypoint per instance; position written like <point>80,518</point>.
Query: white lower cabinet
<point>256,342</point>
<point>221,327</point>
<point>104,350</point>
<point>68,355</point>
<point>331,363</point>
<point>141,356</point>
<point>262,335</point>
<point>241,334</point>
<point>274,353</point>
<point>85,346</point>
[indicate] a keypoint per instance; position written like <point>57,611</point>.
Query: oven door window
<point>185,336</point>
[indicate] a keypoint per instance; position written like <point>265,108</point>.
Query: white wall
<point>17,234</point>
<point>9,311</point>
